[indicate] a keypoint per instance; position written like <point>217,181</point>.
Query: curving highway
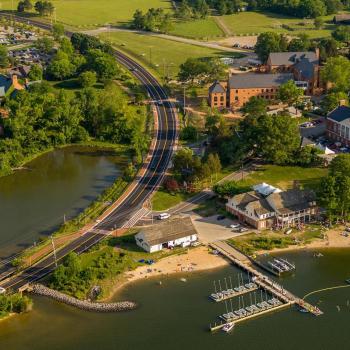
<point>138,192</point>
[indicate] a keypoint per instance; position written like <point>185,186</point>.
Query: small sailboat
<point>228,327</point>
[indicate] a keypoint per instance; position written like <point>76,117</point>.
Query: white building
<point>168,234</point>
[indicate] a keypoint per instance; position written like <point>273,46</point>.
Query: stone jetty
<point>40,289</point>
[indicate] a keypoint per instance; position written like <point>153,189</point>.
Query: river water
<point>60,183</point>
<point>176,315</point>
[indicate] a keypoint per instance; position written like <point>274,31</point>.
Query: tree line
<point>43,8</point>
<point>299,8</point>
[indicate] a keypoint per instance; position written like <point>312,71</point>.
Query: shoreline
<point>195,260</point>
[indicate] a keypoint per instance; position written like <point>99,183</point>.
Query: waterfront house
<point>168,234</point>
<point>269,207</point>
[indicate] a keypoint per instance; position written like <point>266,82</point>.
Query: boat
<point>348,281</point>
<point>228,327</point>
<point>305,311</point>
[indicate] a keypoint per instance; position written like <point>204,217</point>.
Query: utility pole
<point>54,250</point>
<point>184,100</point>
<point>64,218</point>
<point>150,55</point>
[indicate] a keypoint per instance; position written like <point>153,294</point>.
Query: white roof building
<point>265,189</point>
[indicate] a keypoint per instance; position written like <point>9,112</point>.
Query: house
<point>305,67</point>
<point>9,85</point>
<point>338,125</point>
<point>341,19</point>
<point>168,234</point>
<point>21,71</point>
<point>268,207</point>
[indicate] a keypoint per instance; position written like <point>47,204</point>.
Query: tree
<point>332,99</point>
<point>87,79</point>
<point>24,5</point>
<point>341,33</point>
<point>312,8</point>
<point>58,31</point>
<point>289,93</point>
<point>328,48</point>
<point>171,185</point>
<point>266,43</point>
<point>333,6</point>
<point>61,67</point>
<point>45,44</point>
<point>4,59</point>
<point>255,106</point>
<point>318,23</point>
<point>337,72</point>
<point>20,7</point>
<point>302,43</point>
<point>35,73</point>
<point>214,164</point>
<point>44,8</point>
<point>103,64</point>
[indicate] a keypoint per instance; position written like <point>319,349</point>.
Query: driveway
<point>210,229</point>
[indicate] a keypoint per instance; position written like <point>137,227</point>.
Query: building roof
<point>340,114</point>
<point>217,88</point>
<point>254,202</point>
<point>341,18</point>
<point>255,80</point>
<point>168,231</point>
<point>265,189</point>
<point>291,58</point>
<point>306,68</point>
<point>292,200</point>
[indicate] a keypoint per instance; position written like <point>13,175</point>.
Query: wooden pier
<point>261,280</point>
<point>232,295</point>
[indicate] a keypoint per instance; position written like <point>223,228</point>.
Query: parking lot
<point>210,229</point>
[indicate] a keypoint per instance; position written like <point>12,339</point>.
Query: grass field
<point>96,12</point>
<point>204,29</point>
<point>284,177</point>
<point>258,22</point>
<point>158,53</point>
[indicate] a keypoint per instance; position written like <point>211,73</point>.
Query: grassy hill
<point>96,12</point>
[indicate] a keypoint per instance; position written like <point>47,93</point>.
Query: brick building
<point>301,67</point>
<point>305,67</point>
<point>338,125</point>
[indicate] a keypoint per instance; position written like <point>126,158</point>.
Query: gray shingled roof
<point>256,80</point>
<point>292,200</point>
<point>340,114</point>
<point>5,85</point>
<point>306,68</point>
<point>217,88</point>
<point>291,58</point>
<point>169,231</point>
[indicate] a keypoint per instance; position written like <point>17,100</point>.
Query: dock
<point>233,292</point>
<point>282,297</point>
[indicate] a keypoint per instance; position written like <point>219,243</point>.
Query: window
<point>215,98</point>
<point>236,98</point>
<point>347,132</point>
<point>222,98</point>
<point>335,127</point>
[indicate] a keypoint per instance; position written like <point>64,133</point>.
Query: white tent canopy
<point>266,189</point>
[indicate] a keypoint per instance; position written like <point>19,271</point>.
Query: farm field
<point>158,53</point>
<point>199,29</point>
<point>258,22</point>
<point>96,12</point>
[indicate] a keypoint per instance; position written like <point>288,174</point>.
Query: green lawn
<point>258,22</point>
<point>162,53</point>
<point>163,200</point>
<point>285,176</point>
<point>199,29</point>
<point>97,12</point>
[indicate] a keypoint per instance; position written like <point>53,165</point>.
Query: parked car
<point>235,226</point>
<point>243,229</point>
<point>2,290</point>
<point>221,217</point>
<point>163,216</point>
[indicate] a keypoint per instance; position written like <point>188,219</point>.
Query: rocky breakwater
<point>39,289</point>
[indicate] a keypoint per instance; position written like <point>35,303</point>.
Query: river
<point>61,183</point>
<point>176,315</point>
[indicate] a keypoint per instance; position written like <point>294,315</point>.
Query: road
<point>140,189</point>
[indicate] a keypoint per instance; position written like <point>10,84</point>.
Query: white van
<point>163,216</point>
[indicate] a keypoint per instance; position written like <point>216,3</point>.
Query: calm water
<point>33,202</point>
<point>176,315</point>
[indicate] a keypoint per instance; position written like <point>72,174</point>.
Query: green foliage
<point>229,188</point>
<point>337,72</point>
<point>270,42</point>
<point>103,64</point>
<point>44,8</point>
<point>189,133</point>
<point>14,303</point>
<point>341,33</point>
<point>4,59</point>
<point>331,100</point>
<point>58,31</point>
<point>289,93</point>
<point>44,44</point>
<point>35,73</point>
<point>334,193</point>
<point>87,79</point>
<point>154,20</point>
<point>201,71</point>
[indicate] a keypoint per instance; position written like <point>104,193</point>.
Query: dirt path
<point>222,25</point>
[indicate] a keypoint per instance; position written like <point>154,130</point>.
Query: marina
<point>280,297</point>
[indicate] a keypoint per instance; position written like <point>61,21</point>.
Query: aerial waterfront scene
<point>174,174</point>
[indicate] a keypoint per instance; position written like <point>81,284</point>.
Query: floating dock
<point>276,290</point>
<point>234,292</point>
